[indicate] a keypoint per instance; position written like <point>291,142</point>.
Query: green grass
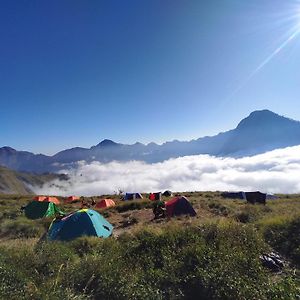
<point>215,255</point>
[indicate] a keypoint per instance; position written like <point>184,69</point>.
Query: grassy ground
<point>212,256</point>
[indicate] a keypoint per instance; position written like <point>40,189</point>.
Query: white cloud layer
<point>277,171</point>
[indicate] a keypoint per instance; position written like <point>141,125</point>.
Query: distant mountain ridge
<point>261,131</point>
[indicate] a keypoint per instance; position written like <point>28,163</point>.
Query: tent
<point>179,206</point>
<point>47,199</point>
<point>234,195</point>
<point>52,199</point>
<point>84,222</point>
<point>41,209</point>
<point>256,197</point>
<point>71,199</point>
<point>271,197</point>
<point>39,198</point>
<point>132,196</point>
<point>167,193</point>
<point>155,196</point>
<point>105,203</point>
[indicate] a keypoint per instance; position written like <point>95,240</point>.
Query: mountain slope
<point>261,131</point>
<point>12,182</point>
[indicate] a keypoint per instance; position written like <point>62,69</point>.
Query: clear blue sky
<point>75,72</point>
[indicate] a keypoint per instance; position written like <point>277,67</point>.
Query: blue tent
<point>82,222</point>
<point>132,196</point>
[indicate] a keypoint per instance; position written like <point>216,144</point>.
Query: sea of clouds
<point>276,171</point>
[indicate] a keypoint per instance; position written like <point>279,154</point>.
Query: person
<point>159,209</point>
<point>84,204</point>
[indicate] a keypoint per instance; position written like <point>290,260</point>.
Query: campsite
<point>208,246</point>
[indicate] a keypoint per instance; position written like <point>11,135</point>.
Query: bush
<point>284,236</point>
<point>132,205</point>
<point>12,282</point>
<point>20,228</point>
<point>250,213</point>
<point>218,209</point>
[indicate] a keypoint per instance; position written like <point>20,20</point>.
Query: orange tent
<point>39,198</point>
<point>72,199</point>
<point>47,199</point>
<point>105,203</point>
<point>52,199</point>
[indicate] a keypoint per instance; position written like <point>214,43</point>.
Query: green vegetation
<point>213,256</point>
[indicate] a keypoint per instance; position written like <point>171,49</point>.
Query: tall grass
<point>208,261</point>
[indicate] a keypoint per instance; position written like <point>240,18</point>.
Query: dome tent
<point>38,209</point>
<point>155,196</point>
<point>105,203</point>
<point>133,196</point>
<point>179,206</point>
<point>167,193</point>
<point>72,199</point>
<point>47,199</point>
<point>82,222</point>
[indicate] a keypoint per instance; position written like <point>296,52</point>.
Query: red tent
<point>72,199</point>
<point>179,206</point>
<point>152,197</point>
<point>155,196</point>
<point>105,203</point>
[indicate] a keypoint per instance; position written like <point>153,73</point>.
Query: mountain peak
<point>260,118</point>
<point>262,113</point>
<point>107,143</point>
<point>8,149</point>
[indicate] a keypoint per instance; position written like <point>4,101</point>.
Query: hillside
<point>216,254</point>
<point>12,182</point>
<point>261,131</point>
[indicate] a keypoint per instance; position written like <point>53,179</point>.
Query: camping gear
<point>105,203</point>
<point>179,206</point>
<point>167,193</point>
<point>38,209</point>
<point>234,195</point>
<point>84,222</point>
<point>272,261</point>
<point>132,196</point>
<point>155,196</point>
<point>256,197</point>
<point>72,199</point>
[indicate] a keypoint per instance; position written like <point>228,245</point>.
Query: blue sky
<point>75,72</point>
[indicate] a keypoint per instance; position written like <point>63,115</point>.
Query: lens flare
<point>292,34</point>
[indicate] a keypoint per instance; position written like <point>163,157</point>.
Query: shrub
<point>20,228</point>
<point>249,213</point>
<point>218,209</point>
<point>12,282</point>
<point>284,236</point>
<point>132,205</point>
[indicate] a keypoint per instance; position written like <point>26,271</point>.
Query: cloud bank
<point>276,171</point>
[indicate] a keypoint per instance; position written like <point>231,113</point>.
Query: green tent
<point>38,209</point>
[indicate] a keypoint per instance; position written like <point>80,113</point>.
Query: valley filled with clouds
<point>276,171</point>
